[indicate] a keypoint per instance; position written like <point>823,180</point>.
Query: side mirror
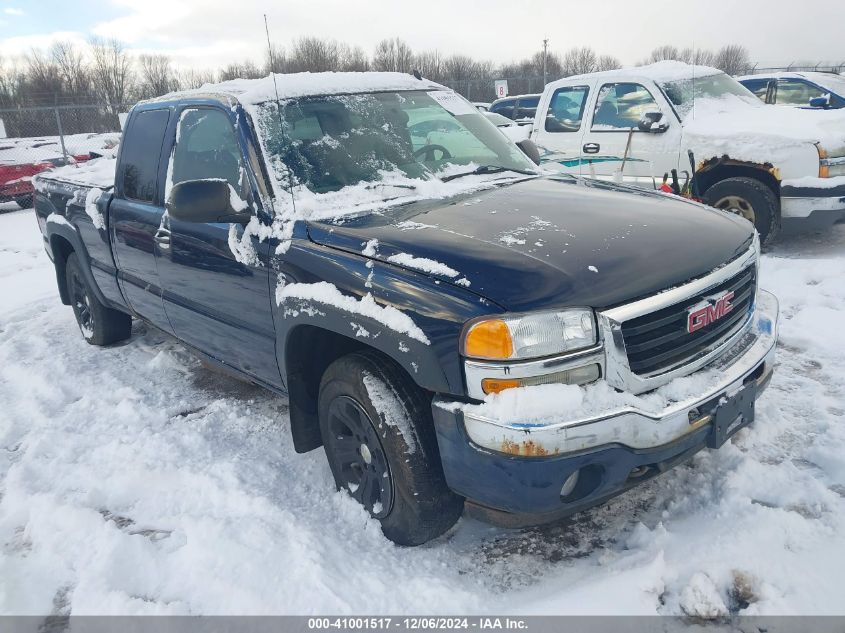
<point>203,201</point>
<point>820,102</point>
<point>652,121</point>
<point>529,149</point>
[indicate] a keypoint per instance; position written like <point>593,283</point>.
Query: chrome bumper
<point>635,427</point>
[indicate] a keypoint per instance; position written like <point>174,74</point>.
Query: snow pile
<point>98,172</point>
<point>429,266</point>
<point>134,481</point>
<point>759,133</point>
<point>325,293</point>
<point>91,208</point>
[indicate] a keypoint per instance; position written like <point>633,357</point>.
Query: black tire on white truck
<point>749,198</point>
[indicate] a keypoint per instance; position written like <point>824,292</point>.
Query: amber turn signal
<point>496,385</point>
<point>489,339</point>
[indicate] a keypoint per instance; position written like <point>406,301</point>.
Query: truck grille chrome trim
<point>647,343</point>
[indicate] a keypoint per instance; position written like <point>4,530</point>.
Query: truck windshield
<point>397,139</point>
<point>683,92</point>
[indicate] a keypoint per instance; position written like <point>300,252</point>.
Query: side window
<point>757,86</point>
<point>796,92</point>
<point>621,106</point>
<point>206,147</point>
<point>505,108</point>
<point>566,109</point>
<point>141,151</point>
<point>526,108</point>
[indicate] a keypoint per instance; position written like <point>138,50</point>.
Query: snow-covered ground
<point>133,480</point>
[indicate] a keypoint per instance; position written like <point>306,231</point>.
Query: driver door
<point>613,128</point>
<point>217,301</point>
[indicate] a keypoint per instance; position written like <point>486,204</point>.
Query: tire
<point>99,325</point>
<point>379,440</point>
<point>24,202</point>
<point>748,197</point>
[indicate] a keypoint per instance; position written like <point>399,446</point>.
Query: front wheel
<point>99,325</point>
<point>379,440</point>
<point>24,202</point>
<point>749,198</point>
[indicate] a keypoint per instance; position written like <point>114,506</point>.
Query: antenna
<point>278,109</point>
<point>270,57</point>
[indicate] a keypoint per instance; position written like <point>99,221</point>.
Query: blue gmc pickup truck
<point>457,329</point>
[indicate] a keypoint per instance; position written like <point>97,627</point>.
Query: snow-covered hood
<point>758,132</point>
<point>548,242</point>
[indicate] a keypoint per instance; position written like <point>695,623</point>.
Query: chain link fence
<point>36,138</point>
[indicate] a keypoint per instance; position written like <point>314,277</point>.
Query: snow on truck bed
<point>98,172</point>
<point>135,481</point>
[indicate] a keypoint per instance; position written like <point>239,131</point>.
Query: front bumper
<point>518,468</point>
<point>812,203</point>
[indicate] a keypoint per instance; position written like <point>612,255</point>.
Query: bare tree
<point>579,60</point>
<point>608,62</point>
<point>732,59</point>
<point>393,55</point>
<point>72,67</point>
<point>193,78</point>
<point>662,53</point>
<point>353,58</point>
<point>246,69</point>
<point>112,71</point>
<point>429,64</point>
<point>313,54</point>
<point>698,56</point>
<point>277,60</point>
<point>157,77</point>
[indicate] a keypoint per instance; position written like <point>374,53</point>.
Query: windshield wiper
<point>391,184</point>
<point>488,169</point>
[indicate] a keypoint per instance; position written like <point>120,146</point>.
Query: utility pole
<point>545,47</point>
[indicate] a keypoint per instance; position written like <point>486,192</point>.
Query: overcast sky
<point>210,33</point>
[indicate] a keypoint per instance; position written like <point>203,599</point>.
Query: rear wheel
<point>749,198</point>
<point>99,325</point>
<point>24,202</point>
<point>380,443</point>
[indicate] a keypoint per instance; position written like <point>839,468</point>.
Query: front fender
<point>436,309</point>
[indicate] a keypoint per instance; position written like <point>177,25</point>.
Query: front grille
<point>659,341</point>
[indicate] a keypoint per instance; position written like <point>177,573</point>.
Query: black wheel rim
<point>81,305</point>
<point>360,463</point>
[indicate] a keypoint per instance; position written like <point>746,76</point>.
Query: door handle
<point>591,148</point>
<point>162,237</point>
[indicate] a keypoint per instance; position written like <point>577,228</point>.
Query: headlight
<point>830,166</point>
<point>529,336</point>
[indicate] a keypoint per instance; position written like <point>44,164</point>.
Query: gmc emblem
<point>698,318</point>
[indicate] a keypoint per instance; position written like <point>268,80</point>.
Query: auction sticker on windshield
<point>452,102</point>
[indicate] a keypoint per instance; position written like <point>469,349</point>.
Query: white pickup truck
<point>774,166</point>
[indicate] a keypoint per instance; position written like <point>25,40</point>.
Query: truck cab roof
<point>295,85</point>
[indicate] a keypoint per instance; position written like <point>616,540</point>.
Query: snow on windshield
<point>684,93</point>
<point>377,147</point>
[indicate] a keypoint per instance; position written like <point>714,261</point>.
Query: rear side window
<point>566,109</point>
<point>140,154</point>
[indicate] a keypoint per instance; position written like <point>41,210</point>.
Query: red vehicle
<point>22,158</point>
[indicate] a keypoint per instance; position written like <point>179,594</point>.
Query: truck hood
<point>757,131</point>
<point>548,242</point>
